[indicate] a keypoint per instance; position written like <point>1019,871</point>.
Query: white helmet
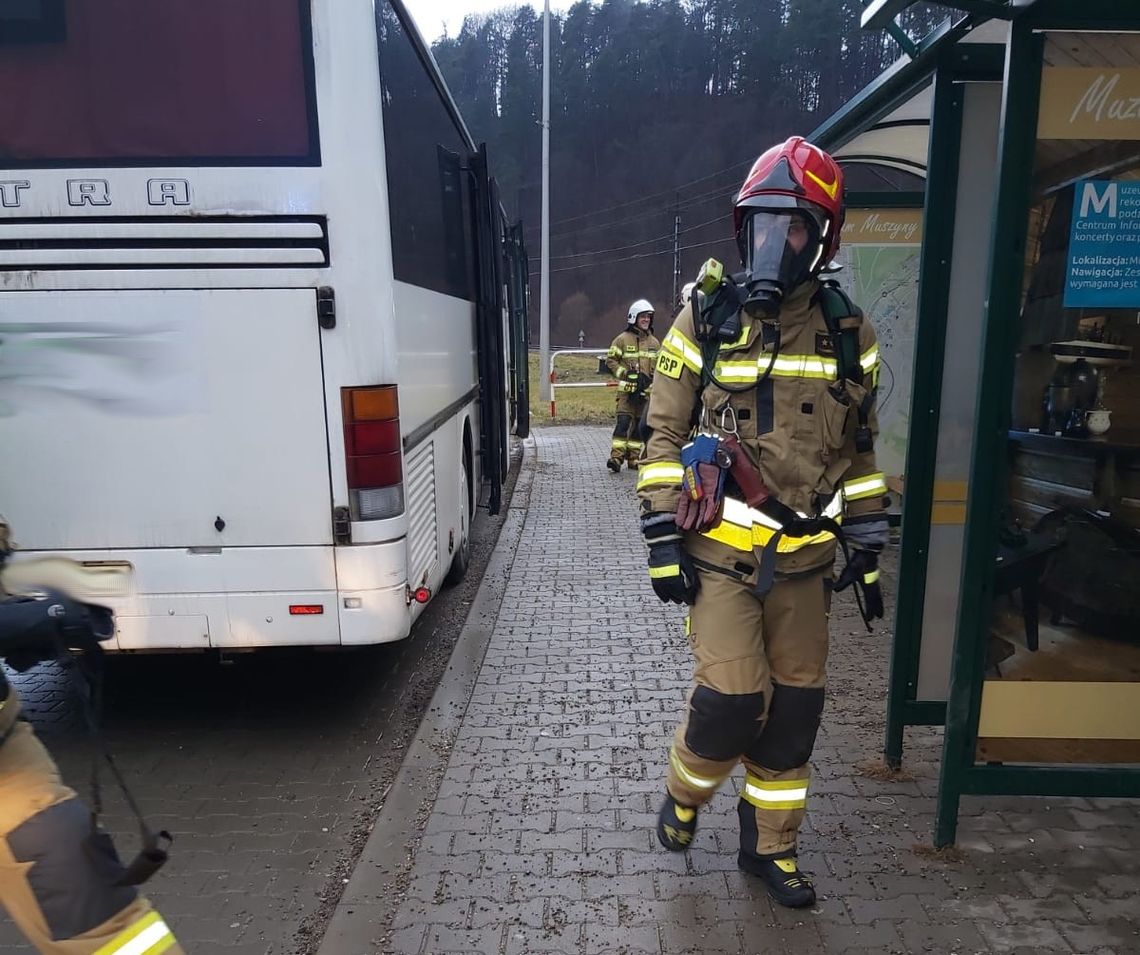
<point>687,292</point>
<point>637,308</point>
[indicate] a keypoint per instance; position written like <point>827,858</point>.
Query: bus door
<point>518,280</point>
<point>492,348</point>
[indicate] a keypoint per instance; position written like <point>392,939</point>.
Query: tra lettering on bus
<point>88,192</point>
<point>163,192</point>
<point>10,192</point>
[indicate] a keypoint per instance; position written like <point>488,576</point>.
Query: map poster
<point>880,259</point>
<point>1103,269</point>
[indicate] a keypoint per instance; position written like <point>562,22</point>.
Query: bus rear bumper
<point>229,598</point>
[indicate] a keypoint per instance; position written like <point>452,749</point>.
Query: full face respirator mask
<point>782,249</point>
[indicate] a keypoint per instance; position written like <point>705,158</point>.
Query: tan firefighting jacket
<point>799,435</point>
<point>632,353</point>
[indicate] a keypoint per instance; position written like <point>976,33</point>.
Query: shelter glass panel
<point>1063,653</point>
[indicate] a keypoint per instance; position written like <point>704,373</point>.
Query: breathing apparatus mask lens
<point>783,250</point>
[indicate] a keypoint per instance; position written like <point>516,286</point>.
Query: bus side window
<point>429,199</point>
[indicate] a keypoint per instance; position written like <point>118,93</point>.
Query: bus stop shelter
<point>1012,133</point>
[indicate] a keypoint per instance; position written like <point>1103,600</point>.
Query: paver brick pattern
<point>541,838</point>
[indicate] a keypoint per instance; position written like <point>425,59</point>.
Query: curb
<point>372,895</point>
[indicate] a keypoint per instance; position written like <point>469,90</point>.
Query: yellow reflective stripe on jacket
<point>614,352</point>
<point>150,935</point>
<point>677,344</point>
<point>790,366</point>
<point>660,475</point>
<point>801,366</point>
<point>688,777</point>
<point>736,371</point>
<point>869,485</point>
<point>743,528</point>
<point>775,794</point>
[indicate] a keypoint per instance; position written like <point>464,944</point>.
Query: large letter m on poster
<point>1090,199</point>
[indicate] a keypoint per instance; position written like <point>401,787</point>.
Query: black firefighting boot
<point>676,825</point>
<point>781,877</point>
<point>614,465</point>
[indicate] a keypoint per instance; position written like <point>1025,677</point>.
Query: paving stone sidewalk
<point>541,836</point>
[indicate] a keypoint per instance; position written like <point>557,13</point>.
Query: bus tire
<point>461,559</point>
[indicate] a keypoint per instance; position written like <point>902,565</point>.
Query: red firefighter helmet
<point>795,175</point>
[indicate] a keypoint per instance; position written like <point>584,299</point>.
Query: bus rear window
<point>140,82</point>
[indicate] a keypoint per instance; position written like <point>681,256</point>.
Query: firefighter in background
<point>60,878</point>
<point>631,360</point>
<point>760,459</point>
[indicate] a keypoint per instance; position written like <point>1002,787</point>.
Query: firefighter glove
<point>699,506</point>
<point>862,570</point>
<point>671,570</point>
<point>643,383</point>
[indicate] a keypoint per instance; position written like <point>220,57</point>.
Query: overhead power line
<point>654,195</point>
<point>664,211</point>
<point>635,245</point>
<point>642,255</point>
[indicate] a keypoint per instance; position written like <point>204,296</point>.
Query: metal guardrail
<point>609,382</point>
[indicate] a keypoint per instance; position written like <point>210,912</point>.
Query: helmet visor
<point>783,245</point>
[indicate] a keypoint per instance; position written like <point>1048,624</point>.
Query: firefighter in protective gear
<point>759,577</point>
<point>631,360</point>
<point>60,878</point>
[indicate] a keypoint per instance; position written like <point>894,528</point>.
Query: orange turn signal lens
<point>379,403</point>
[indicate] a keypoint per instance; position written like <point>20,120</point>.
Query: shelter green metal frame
<point>960,772</point>
<point>939,56</point>
<point>955,67</point>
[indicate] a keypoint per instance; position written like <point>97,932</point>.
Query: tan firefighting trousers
<point>758,694</point>
<point>56,883</point>
<point>627,444</point>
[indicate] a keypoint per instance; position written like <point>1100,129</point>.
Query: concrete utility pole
<point>676,261</point>
<point>544,293</point>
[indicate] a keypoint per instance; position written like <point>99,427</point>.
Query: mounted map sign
<point>880,256</point>
<point>1084,103</point>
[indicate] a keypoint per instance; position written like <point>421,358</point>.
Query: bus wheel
<point>461,559</point>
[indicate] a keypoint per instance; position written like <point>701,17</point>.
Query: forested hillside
<point>658,108</point>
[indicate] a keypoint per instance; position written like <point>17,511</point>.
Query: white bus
<point>262,322</point>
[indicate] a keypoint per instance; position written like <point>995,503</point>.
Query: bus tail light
<point>372,452</point>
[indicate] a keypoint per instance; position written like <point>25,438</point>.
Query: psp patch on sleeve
<point>669,365</point>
